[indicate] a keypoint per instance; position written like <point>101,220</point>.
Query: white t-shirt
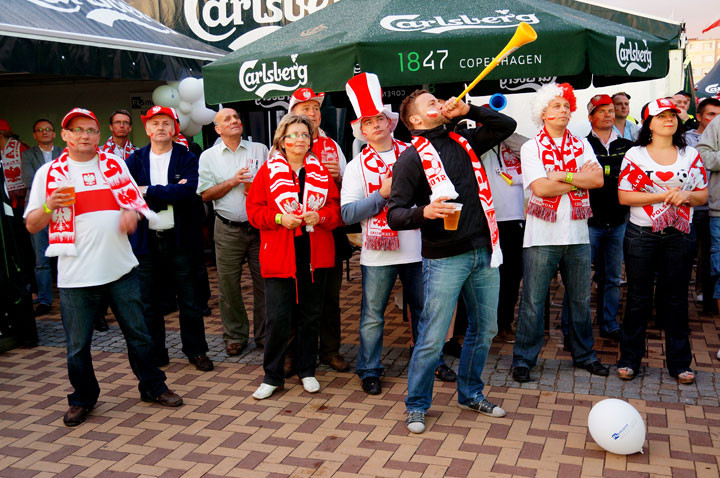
<point>104,253</point>
<point>509,200</point>
<point>353,189</point>
<point>672,176</point>
<point>565,230</point>
<point>159,164</point>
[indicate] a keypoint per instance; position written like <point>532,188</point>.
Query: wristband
<point>568,177</point>
<point>278,218</point>
<point>46,208</point>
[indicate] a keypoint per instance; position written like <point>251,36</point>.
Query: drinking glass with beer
<point>68,187</point>
<point>452,219</point>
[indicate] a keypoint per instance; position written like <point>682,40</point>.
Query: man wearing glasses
<point>32,160</point>
<point>118,143</point>
<point>90,203</point>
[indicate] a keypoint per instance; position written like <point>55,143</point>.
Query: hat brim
<point>392,116</point>
<point>294,101</point>
<point>71,116</point>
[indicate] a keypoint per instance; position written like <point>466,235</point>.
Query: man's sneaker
<point>371,385</point>
<point>521,374</point>
<point>76,415</point>
<point>445,373</point>
<point>415,422</point>
<point>310,384</point>
<point>485,407</point>
<point>264,391</point>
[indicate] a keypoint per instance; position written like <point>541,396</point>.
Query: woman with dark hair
<point>661,180</point>
<point>295,204</point>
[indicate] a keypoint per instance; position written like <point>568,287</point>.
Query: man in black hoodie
<point>454,261</point>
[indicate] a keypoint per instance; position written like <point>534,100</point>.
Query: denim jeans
<point>671,253</point>
<point>714,256</point>
<point>43,267</point>
<point>377,283</point>
<point>79,307</point>
<point>539,266</point>
<point>445,279</point>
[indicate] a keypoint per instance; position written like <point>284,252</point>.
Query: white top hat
<point>366,97</point>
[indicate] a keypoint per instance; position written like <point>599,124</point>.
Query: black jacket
<point>607,211</point>
<point>411,191</point>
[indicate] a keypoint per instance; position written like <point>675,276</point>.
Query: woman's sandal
<point>687,377</point>
<point>626,373</point>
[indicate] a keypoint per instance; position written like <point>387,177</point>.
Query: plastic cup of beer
<point>68,188</point>
<point>451,220</point>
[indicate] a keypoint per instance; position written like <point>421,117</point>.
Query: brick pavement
<point>222,431</point>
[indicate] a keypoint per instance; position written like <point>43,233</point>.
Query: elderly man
<point>226,174</point>
<point>170,247</point>
<point>682,100</point>
<point>623,127</point>
<point>90,203</point>
<point>32,160</point>
<point>306,102</point>
<point>118,143</point>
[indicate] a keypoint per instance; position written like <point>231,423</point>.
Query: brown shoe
<point>338,363</point>
<point>234,349</point>
<point>202,363</point>
<point>75,415</point>
<point>506,336</point>
<point>167,399</point>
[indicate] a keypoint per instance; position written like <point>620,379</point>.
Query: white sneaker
<point>264,391</point>
<point>718,354</point>
<point>310,384</point>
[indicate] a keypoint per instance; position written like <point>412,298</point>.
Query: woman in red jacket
<point>295,204</point>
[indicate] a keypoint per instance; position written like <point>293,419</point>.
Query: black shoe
<point>595,368</point>
<point>614,335</point>
<point>75,415</point>
<point>371,385</point>
<point>202,363</point>
<point>445,373</point>
<point>42,309</point>
<point>167,399</point>
<point>101,324</point>
<point>452,347</point>
<point>521,374</point>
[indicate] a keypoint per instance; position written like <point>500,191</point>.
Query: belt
<point>164,234</point>
<point>228,222</point>
<point>664,232</point>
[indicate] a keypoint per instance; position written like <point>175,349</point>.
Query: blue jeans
<point>445,279</point>
<point>43,267</point>
<point>79,308</point>
<point>377,283</point>
<point>539,266</point>
<point>715,255</point>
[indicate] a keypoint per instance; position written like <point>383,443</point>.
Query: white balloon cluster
<point>188,99</point>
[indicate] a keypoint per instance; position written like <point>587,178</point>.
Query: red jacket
<point>277,248</point>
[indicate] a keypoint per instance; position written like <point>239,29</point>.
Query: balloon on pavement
<point>617,426</point>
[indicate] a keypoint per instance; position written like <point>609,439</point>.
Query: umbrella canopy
<point>420,42</point>
<point>107,39</point>
<point>710,84</point>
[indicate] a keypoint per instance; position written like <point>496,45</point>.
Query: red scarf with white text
<point>12,169</point>
<point>325,149</point>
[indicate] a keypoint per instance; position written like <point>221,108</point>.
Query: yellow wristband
<point>46,208</point>
<point>278,218</point>
<point>568,177</point>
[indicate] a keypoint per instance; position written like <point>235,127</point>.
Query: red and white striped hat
<point>656,107</point>
<point>365,95</point>
<point>301,95</point>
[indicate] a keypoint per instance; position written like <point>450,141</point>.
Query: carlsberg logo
<point>440,24</point>
<point>712,89</point>
<point>632,55</point>
<point>264,78</point>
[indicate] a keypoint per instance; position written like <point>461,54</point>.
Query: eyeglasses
<point>89,131</point>
<point>44,130</point>
<point>122,123</point>
<point>296,136</point>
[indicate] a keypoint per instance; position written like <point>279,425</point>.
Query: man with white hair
<point>558,169</point>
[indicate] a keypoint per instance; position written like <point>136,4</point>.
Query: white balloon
<point>191,89</point>
<point>183,119</point>
<point>617,427</point>
<point>185,107</point>
<point>202,115</point>
<point>165,95</point>
<point>191,129</point>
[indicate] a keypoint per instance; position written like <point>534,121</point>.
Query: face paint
<point>432,113</point>
<point>550,118</point>
<point>289,144</point>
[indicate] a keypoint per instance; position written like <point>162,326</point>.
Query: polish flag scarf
<point>62,222</point>
<point>325,148</point>
<point>563,159</point>
<point>379,236</point>
<point>441,185</point>
<point>111,147</point>
<point>285,192</point>
<point>12,169</point>
<point>662,215</point>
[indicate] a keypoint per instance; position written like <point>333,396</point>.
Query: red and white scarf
<point>563,159</point>
<point>379,236</point>
<point>442,186</point>
<point>325,148</point>
<point>285,192</point>
<point>12,169</point>
<point>62,222</point>
<point>662,215</point>
<point>180,139</point>
<point>112,147</point>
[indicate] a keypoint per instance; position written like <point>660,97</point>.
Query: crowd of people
<point>469,215</point>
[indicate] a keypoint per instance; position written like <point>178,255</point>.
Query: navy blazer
<point>187,205</point>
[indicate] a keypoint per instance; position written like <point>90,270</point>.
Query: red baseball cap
<point>76,112</point>
<point>4,125</point>
<point>656,107</point>
<point>302,95</point>
<point>162,110</point>
<point>598,100</point>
